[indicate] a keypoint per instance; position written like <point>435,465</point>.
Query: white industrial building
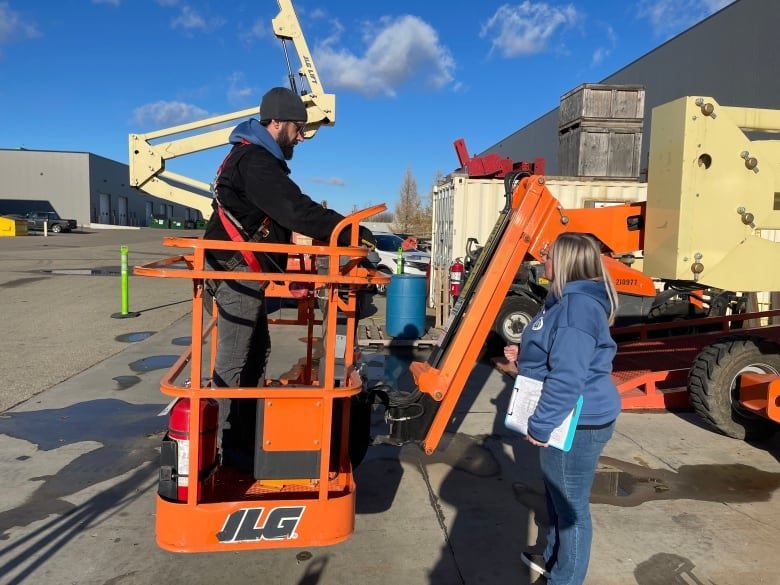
<point>83,186</point>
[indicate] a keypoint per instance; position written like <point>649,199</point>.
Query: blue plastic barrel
<point>406,306</point>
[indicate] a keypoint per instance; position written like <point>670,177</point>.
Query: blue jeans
<point>243,348</point>
<point>568,478</point>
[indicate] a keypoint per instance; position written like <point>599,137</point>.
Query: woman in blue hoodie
<point>568,347</point>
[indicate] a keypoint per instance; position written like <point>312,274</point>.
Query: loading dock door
<point>104,213</point>
<point>123,211</point>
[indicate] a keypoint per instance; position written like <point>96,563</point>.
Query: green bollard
<point>123,275</point>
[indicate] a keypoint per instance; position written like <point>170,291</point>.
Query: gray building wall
<point>731,57</point>
<point>77,185</point>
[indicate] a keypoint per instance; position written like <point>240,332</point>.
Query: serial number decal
<point>626,281</point>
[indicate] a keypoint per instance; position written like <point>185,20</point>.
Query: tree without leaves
<point>407,209</point>
<point>426,214</point>
<point>384,217</point>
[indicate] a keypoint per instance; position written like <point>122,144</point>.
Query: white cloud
<point>111,2</point>
<point>335,181</point>
<point>601,53</point>
<point>305,14</point>
<point>672,16</point>
<point>526,29</point>
<point>259,29</point>
<point>167,113</point>
<point>239,93</point>
<point>167,2</point>
<point>398,51</point>
<point>13,27</point>
<point>189,19</point>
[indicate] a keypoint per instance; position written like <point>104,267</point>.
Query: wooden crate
<point>592,101</point>
<point>599,149</point>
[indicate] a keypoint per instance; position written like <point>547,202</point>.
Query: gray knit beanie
<point>282,104</point>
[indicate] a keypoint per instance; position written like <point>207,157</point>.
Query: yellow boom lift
<point>149,152</point>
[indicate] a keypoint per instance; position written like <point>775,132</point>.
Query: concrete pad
<point>673,502</point>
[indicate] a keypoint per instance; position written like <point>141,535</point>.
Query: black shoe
<point>535,562</point>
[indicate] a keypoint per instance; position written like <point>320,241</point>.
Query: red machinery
<point>492,165</point>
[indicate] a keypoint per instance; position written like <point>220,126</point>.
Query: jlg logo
<point>244,525</point>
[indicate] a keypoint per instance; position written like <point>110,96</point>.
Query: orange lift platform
<point>652,363</point>
<point>305,413</point>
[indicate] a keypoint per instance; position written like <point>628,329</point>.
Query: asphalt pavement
<point>674,503</point>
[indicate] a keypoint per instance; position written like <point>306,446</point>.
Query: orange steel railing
<point>302,391</point>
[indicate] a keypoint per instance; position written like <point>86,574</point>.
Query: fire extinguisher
<point>456,276</point>
<point>175,455</point>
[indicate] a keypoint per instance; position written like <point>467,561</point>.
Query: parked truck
<point>50,221</point>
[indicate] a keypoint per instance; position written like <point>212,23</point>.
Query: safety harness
<point>233,227</point>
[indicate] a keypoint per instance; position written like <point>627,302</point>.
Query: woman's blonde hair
<point>577,256</point>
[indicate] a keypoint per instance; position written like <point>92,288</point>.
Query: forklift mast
<point>527,226</point>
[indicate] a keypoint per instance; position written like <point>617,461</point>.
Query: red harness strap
<point>249,257</point>
<point>229,225</point>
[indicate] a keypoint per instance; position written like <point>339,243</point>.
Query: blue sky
<point>410,77</point>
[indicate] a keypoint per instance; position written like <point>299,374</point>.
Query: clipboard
<point>525,396</point>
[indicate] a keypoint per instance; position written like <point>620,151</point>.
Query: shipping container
<point>593,101</point>
<point>466,207</point>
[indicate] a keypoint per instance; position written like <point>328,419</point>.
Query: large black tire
<point>56,228</point>
<point>674,310</point>
<point>516,312</point>
<point>713,388</point>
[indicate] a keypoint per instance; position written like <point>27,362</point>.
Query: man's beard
<point>286,145</point>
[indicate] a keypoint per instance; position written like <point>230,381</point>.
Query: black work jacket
<point>254,185</point>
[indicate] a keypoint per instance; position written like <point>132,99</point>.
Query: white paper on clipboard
<point>525,396</point>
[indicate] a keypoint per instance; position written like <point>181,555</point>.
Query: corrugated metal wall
<point>73,184</point>
<point>728,56</point>
<point>58,180</point>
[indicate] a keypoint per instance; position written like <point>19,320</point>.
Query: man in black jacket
<point>255,199</point>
